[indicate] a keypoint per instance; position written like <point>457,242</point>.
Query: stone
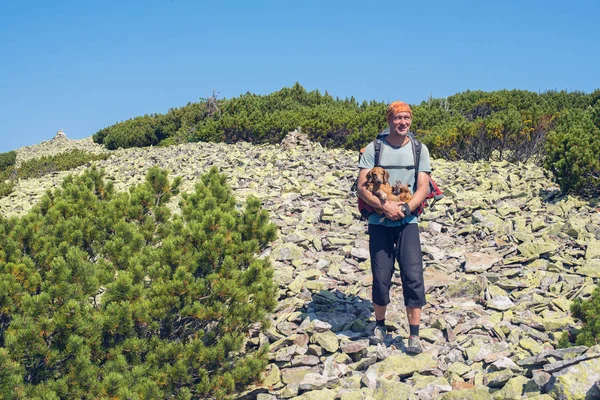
<point>479,262</point>
<point>556,322</point>
<point>352,383</point>
<point>593,249</point>
<point>305,360</point>
<point>540,397</point>
<point>332,368</point>
<point>284,354</point>
<point>559,365</point>
<point>298,339</point>
<point>287,251</point>
<point>404,365</point>
<point>297,284</point>
<point>498,379</point>
<point>577,381</point>
<point>513,389</point>
<point>265,396</point>
<point>531,345</point>
<point>537,248</point>
<point>272,376</point>
<point>315,381</point>
<point>354,347</point>
<point>315,350</point>
<point>391,389</point>
<point>318,326</point>
<point>295,375</point>
<point>459,368</point>
<point>327,340</point>
<point>418,381</point>
<point>487,219</point>
<point>590,268</point>
<point>475,393</point>
<point>432,335</point>
<point>360,254</point>
<point>361,394</point>
<point>505,363</point>
<point>324,394</point>
<point>541,378</point>
<point>500,303</point>
<point>363,363</point>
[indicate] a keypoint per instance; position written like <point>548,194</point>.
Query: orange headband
<point>397,107</point>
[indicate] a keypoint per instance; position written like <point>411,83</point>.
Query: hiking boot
<point>378,335</point>
<point>414,345</point>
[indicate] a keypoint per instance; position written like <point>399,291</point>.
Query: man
<point>396,237</point>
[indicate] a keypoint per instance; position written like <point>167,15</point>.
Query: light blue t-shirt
<point>392,155</point>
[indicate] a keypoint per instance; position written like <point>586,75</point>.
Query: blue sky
<point>84,65</point>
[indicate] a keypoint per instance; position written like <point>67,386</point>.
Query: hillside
<point>506,254</point>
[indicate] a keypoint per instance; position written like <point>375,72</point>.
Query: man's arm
<point>422,191</point>
<point>391,209</point>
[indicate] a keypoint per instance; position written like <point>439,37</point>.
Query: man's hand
<point>393,210</point>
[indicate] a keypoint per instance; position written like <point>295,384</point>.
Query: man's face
<point>400,123</point>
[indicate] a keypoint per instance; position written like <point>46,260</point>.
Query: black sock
<point>414,330</point>
<point>380,322</point>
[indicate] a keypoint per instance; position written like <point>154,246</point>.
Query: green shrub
<point>7,181</point>
<point>573,153</point>
<point>475,125</point>
<point>564,340</point>
<point>588,312</point>
<point>253,118</point>
<point>41,166</point>
<point>7,159</point>
<point>6,188</point>
<point>504,135</point>
<point>38,167</point>
<point>109,295</point>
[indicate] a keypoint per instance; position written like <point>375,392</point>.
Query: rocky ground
<point>505,255</point>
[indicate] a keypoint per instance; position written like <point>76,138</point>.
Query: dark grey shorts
<point>402,243</point>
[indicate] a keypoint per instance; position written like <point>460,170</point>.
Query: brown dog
<point>377,183</point>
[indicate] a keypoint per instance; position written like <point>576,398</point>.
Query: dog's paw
<point>383,196</point>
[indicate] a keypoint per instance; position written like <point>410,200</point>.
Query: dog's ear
<point>370,176</point>
<point>386,177</point>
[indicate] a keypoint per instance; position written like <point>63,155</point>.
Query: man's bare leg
<point>413,313</point>
<point>380,311</point>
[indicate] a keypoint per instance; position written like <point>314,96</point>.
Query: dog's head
<point>402,191</point>
<point>378,175</point>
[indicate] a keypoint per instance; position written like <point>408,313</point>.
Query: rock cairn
<point>505,256</point>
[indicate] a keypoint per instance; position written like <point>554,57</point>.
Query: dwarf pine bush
<point>109,295</point>
<point>7,159</point>
<point>41,166</point>
<point>588,311</point>
<point>573,153</point>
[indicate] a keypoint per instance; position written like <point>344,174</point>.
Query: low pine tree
<point>588,311</point>
<point>109,295</point>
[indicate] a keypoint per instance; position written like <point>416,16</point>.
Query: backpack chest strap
<point>397,166</point>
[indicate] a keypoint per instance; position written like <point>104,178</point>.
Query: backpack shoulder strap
<point>377,144</point>
<point>377,151</point>
<point>416,148</point>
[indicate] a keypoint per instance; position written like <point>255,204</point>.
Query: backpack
<point>435,192</point>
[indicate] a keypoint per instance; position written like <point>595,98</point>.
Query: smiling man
<point>396,237</point>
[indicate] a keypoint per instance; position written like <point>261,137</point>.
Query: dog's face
<point>378,175</point>
<point>400,188</point>
<point>402,191</point>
